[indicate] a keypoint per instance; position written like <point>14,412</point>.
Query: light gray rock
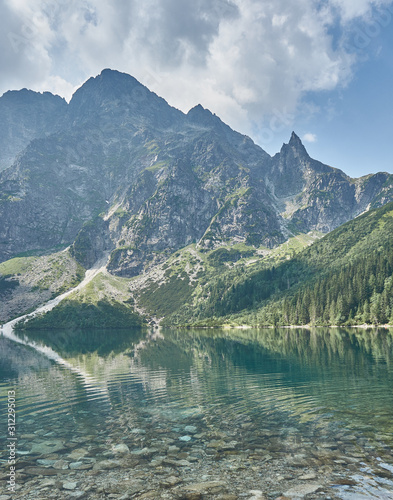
<point>45,462</point>
<point>191,429</point>
<point>107,465</point>
<point>69,485</point>
<point>256,495</point>
<point>61,465</point>
<point>308,477</point>
<point>77,454</point>
<point>207,486</point>
<point>47,447</point>
<point>121,449</point>
<point>302,490</point>
<point>77,494</point>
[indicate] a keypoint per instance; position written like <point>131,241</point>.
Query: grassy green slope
<point>178,289</point>
<point>103,303</point>
<point>344,278</point>
<point>28,281</point>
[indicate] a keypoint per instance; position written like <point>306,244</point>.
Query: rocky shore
<point>188,458</point>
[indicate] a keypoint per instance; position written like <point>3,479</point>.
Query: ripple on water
<point>218,402</point>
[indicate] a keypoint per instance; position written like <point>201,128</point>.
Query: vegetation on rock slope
<point>190,209</point>
<point>344,278</point>
<point>103,303</point>
<point>30,280</point>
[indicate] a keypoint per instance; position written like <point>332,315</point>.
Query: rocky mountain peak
<point>196,109</point>
<point>294,147</point>
<point>108,80</point>
<point>295,140</point>
<point>288,168</point>
<point>168,179</point>
<point>26,96</point>
<point>26,115</point>
<point>109,85</point>
<point>198,115</point>
<point>114,96</point>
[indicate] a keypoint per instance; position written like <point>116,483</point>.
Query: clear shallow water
<point>280,404</point>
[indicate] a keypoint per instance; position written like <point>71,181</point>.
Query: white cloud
<point>354,9</point>
<point>309,137</point>
<point>249,61</point>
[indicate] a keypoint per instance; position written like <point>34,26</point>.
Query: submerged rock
<point>47,447</point>
<point>191,429</point>
<point>208,486</point>
<point>69,485</point>
<point>106,465</point>
<point>302,490</point>
<point>121,448</point>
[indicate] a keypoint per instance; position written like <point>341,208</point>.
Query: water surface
<point>270,410</point>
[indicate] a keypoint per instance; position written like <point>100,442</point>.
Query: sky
<point>323,68</point>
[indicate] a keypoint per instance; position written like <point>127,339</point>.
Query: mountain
<point>120,172</point>
<point>314,196</point>
<point>125,147</point>
<point>24,116</point>
<point>344,278</point>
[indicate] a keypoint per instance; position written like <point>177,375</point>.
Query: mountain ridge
<point>121,171</point>
<point>346,277</point>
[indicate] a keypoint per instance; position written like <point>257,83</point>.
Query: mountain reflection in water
<point>286,391</point>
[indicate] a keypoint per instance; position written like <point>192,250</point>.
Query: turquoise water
<point>280,404</point>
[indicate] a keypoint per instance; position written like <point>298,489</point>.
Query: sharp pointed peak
<point>294,143</point>
<point>295,139</point>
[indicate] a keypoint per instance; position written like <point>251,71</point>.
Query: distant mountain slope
<point>24,116</point>
<point>27,282</point>
<point>314,196</point>
<point>344,278</point>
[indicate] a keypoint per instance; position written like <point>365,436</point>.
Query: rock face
<point>117,169</point>
<point>314,196</point>
<point>24,116</point>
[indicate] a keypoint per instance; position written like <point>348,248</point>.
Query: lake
<point>226,414</point>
